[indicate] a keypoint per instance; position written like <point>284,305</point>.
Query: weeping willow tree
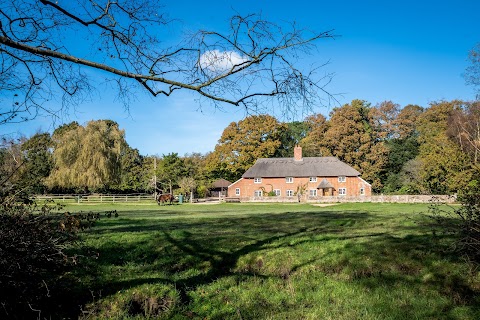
<point>87,157</point>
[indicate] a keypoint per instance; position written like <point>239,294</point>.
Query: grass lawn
<point>271,261</point>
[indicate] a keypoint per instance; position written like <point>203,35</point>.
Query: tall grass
<point>275,261</point>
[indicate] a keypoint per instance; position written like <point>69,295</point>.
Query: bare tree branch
<point>256,62</point>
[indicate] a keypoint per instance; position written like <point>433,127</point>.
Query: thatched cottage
<point>309,177</point>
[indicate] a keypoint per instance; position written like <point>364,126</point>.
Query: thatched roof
<point>324,184</point>
<point>307,167</point>
<point>221,183</point>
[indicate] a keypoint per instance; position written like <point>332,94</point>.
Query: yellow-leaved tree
<point>87,157</point>
<point>242,143</point>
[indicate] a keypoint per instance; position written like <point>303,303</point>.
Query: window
<point>313,179</point>
<point>342,179</point>
<point>237,191</point>
<point>362,191</point>
<point>257,180</point>
<point>289,193</point>
<point>277,192</point>
<point>342,191</point>
<point>313,192</point>
<point>289,179</point>
<point>258,193</point>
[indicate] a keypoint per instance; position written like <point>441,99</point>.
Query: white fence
<point>97,198</point>
<point>149,198</point>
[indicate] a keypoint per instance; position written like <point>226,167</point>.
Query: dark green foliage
<point>65,128</point>
<point>133,176</point>
<point>169,171</point>
<point>295,132</point>
<point>38,162</point>
<point>400,152</point>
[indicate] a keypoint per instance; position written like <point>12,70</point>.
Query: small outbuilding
<point>219,188</point>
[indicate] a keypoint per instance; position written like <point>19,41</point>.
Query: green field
<point>275,261</point>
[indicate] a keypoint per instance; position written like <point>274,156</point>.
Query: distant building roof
<point>306,167</point>
<point>324,184</point>
<point>221,183</point>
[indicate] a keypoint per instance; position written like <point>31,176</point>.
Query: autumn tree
<point>385,115</point>
<point>251,64</point>
<point>312,142</point>
<point>353,136</point>
<point>397,127</point>
<point>87,157</point>
<point>444,167</point>
<point>242,143</point>
<point>406,122</point>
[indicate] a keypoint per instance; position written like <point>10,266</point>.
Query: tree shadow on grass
<point>214,246</point>
<point>187,243</point>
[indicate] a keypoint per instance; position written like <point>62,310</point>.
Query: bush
<point>33,258</point>
<point>463,222</point>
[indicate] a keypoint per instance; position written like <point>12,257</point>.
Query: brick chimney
<point>297,153</point>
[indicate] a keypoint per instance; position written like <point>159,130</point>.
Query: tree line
<point>405,150</point>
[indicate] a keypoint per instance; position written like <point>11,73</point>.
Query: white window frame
<point>288,179</point>
<point>257,180</point>
<point>313,192</point>
<point>277,192</point>
<point>290,193</point>
<point>362,191</point>
<point>342,179</point>
<point>313,179</point>
<point>258,193</point>
<point>237,191</point>
<point>342,191</point>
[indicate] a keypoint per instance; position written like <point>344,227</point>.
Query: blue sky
<point>410,52</point>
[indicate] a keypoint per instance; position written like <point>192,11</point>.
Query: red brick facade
<point>301,178</point>
<point>347,186</point>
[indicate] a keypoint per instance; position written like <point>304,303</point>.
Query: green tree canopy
<point>295,132</point>
<point>170,168</point>
<point>38,161</point>
<point>133,176</point>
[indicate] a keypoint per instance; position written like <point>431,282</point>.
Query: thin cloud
<point>219,61</point>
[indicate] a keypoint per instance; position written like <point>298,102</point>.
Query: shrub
<point>33,243</point>
<point>463,222</point>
